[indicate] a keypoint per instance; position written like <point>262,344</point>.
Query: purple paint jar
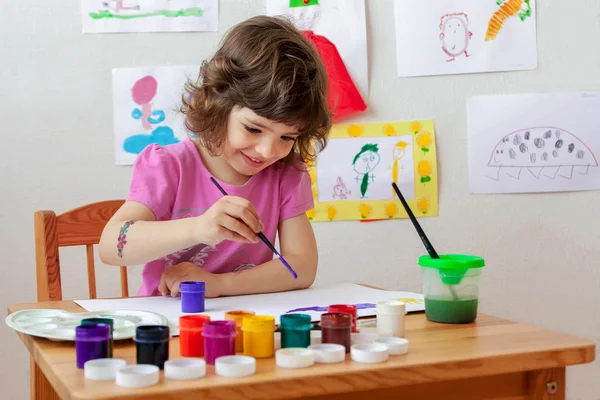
<point>192,296</point>
<point>219,340</point>
<point>92,341</point>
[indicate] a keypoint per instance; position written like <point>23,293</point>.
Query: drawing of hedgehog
<point>544,148</point>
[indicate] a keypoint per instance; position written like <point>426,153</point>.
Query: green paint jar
<point>451,287</point>
<point>107,321</point>
<point>295,330</point>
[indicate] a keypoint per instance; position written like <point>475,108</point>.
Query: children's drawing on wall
<point>352,177</point>
<point>545,151</point>
<point>508,9</point>
<point>364,163</point>
<point>102,16</point>
<point>145,108</point>
<point>545,156</point>
<point>337,29</point>
<point>455,35</point>
<point>467,32</point>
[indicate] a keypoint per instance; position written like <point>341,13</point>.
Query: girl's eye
<point>288,138</point>
<point>251,130</point>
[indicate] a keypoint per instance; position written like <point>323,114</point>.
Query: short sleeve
<point>295,191</point>
<point>155,180</point>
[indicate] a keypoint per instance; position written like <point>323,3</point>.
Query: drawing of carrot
<point>508,8</point>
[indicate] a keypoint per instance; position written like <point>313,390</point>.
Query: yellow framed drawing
<point>352,177</point>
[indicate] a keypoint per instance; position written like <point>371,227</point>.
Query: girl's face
<point>253,142</point>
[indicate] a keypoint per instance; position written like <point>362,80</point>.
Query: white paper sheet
<point>313,301</point>
<point>341,177</point>
<point>449,37</point>
<point>145,108</point>
<point>546,142</point>
<point>343,23</point>
<point>103,16</point>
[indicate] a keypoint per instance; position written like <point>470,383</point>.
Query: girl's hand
<point>173,276</point>
<point>230,218</point>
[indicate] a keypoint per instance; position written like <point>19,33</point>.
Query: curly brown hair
<point>267,65</point>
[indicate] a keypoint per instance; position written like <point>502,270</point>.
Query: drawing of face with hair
<point>305,13</point>
<point>364,163</point>
<point>397,154</point>
<point>340,191</point>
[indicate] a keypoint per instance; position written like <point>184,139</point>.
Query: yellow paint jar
<point>237,316</point>
<point>259,336</point>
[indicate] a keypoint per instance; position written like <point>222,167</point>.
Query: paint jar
<point>390,317</point>
<point>152,344</point>
<point>191,341</point>
<point>107,321</point>
<point>192,296</point>
<point>259,336</point>
<point>237,316</point>
<point>345,308</point>
<point>295,330</point>
<point>337,328</point>
<point>219,340</point>
<point>451,287</point>
<point>92,342</point>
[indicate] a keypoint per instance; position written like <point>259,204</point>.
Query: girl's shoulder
<point>155,155</point>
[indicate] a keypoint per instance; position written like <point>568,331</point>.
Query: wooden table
<point>491,358</point>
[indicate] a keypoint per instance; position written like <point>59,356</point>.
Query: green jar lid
<point>295,321</point>
<point>452,261</point>
<point>107,321</point>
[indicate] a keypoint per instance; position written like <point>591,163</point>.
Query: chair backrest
<point>79,227</point>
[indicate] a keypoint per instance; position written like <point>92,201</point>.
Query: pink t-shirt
<point>174,183</point>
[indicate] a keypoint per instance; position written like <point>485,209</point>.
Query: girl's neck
<point>219,167</point>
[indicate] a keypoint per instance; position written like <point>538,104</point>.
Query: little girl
<point>257,113</point>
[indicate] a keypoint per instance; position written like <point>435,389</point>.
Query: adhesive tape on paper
<point>328,353</point>
<point>137,376</point>
<point>396,346</point>
<point>102,369</point>
<point>369,353</point>
<point>185,368</point>
<point>235,366</point>
<point>294,357</point>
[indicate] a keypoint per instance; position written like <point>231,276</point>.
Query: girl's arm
<point>133,236</point>
<point>297,245</point>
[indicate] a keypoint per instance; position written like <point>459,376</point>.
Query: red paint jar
<point>191,341</point>
<point>337,328</point>
<point>345,308</point>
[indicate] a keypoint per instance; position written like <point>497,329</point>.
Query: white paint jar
<point>390,317</point>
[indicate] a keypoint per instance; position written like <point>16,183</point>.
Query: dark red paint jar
<point>345,308</point>
<point>337,328</point>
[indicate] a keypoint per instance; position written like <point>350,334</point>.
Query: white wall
<point>55,108</point>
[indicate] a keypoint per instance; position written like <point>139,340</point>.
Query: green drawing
<point>364,163</point>
<point>189,12</point>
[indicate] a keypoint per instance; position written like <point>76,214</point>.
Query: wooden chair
<point>81,226</point>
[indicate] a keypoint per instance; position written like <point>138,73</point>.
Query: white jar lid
<point>369,353</point>
<point>395,345</point>
<point>294,357</point>
<point>235,366</point>
<point>102,369</point>
<point>328,353</point>
<point>137,376</point>
<point>393,307</point>
<point>185,368</point>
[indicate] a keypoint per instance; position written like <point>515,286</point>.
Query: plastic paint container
<point>294,358</point>
<point>345,308</point>
<point>152,344</point>
<point>107,321</point>
<point>138,376</point>
<point>191,341</point>
<point>219,340</point>
<point>183,369</point>
<point>237,316</point>
<point>192,296</point>
<point>295,330</point>
<point>451,287</point>
<point>259,336</point>
<point>103,369</point>
<point>337,328</point>
<point>92,341</point>
<point>235,366</point>
<point>390,317</point>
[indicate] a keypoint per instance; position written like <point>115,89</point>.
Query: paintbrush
<point>426,242</point>
<point>262,237</point>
